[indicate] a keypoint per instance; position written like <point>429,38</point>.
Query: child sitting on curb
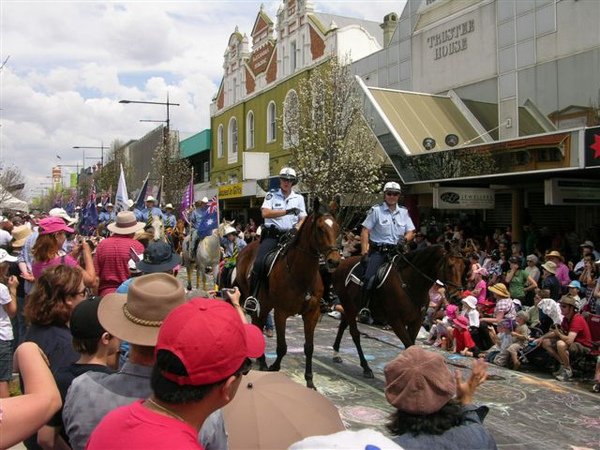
<point>520,339</point>
<point>463,342</point>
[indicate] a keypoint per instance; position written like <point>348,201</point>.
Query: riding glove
<point>292,211</point>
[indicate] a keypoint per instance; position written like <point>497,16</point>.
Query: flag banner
<point>188,199</point>
<point>140,202</point>
<point>210,221</point>
<point>122,196</point>
<point>89,221</point>
<point>159,202</point>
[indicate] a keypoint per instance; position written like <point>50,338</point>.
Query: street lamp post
<point>101,148</point>
<point>168,104</point>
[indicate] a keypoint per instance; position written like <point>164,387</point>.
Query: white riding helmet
<point>287,173</point>
<point>392,186</point>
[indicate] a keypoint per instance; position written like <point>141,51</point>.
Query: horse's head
<point>325,230</point>
<point>158,228</point>
<point>453,273</point>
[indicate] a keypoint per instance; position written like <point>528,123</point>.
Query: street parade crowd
<point>113,352</point>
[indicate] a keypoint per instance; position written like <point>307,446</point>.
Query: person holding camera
<point>387,227</point>
<point>571,338</point>
<point>283,211</point>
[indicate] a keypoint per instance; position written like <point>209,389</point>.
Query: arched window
<point>291,124</point>
<point>220,142</point>
<point>271,122</point>
<point>232,141</point>
<point>250,130</point>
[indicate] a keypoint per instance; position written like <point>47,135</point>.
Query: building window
<point>205,171</point>
<point>234,90</point>
<point>290,120</point>
<point>220,142</point>
<point>232,141</point>
<point>293,57</point>
<point>250,130</point>
<point>271,122</point>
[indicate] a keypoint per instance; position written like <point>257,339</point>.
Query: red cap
<point>210,339</point>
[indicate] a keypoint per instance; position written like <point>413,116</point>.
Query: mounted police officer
<point>144,214</point>
<point>283,211</point>
<point>387,227</point>
<point>107,216</point>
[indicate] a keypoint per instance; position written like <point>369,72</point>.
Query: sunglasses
<point>393,194</point>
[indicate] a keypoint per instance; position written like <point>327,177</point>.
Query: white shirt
<point>6,331</point>
<point>276,200</point>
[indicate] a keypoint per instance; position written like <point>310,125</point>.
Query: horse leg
<point>413,331</point>
<point>280,321</point>
<point>310,320</point>
<point>338,339</point>
<point>260,323</point>
<point>367,372</point>
<point>402,332</point>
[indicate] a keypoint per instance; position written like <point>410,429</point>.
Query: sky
<point>70,62</point>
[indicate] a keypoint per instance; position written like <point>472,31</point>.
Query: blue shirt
<point>228,246</point>
<point>386,226</point>
<point>142,215</point>
<point>106,217</point>
<point>169,220</point>
<point>196,216</point>
<point>275,200</point>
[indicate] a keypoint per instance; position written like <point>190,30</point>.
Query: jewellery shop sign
<point>463,198</point>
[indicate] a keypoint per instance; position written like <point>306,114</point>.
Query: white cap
<point>59,212</point>
<point>150,199</point>
<point>229,230</point>
<point>392,186</point>
<point>470,300</point>
<point>287,173</point>
<point>204,200</point>
<point>169,205</point>
<point>346,439</point>
<point>4,256</point>
<point>99,205</point>
<point>130,203</point>
<point>109,204</point>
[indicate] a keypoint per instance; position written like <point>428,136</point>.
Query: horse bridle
<point>427,277</point>
<point>326,251</point>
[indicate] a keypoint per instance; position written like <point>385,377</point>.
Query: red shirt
<point>136,427</point>
<point>463,339</point>
<point>111,261</point>
<point>578,325</point>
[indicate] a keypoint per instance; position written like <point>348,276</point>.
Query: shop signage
<point>592,147</point>
<point>230,191</point>
<point>571,191</point>
<point>463,198</point>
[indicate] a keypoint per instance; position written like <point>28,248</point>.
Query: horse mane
<point>415,256</point>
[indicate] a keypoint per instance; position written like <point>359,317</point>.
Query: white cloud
<point>70,63</point>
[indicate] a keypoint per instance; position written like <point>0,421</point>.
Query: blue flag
<point>89,221</point>
<point>140,201</point>
<point>210,221</point>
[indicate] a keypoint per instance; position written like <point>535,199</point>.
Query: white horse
<point>209,253</point>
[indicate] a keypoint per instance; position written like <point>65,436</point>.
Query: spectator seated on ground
<point>463,342</point>
<point>520,339</point>
<point>441,331</point>
<point>502,339</point>
<point>572,338</point>
<point>504,309</point>
<point>433,408</point>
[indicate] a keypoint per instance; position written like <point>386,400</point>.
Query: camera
<point>224,293</point>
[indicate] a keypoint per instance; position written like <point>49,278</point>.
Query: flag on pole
<point>140,201</point>
<point>159,194</point>
<point>188,198</point>
<point>122,196</point>
<point>210,221</point>
<point>89,221</point>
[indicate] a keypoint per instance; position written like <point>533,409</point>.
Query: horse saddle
<point>357,273</point>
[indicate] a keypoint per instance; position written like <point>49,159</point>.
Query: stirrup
<point>251,305</point>
<point>365,315</point>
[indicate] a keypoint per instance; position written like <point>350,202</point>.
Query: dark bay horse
<point>294,285</point>
<point>402,299</point>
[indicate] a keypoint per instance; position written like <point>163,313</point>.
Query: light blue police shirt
<point>385,226</point>
<point>196,216</point>
<point>275,200</point>
<point>142,216</point>
<point>169,220</point>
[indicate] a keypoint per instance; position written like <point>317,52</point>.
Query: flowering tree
<point>331,146</point>
<point>174,170</point>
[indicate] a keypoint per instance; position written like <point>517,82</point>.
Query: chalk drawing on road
<point>368,415</point>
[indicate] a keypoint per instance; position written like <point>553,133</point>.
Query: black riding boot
<point>364,315</point>
<point>252,305</point>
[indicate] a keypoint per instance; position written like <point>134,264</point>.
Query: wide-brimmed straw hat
<point>136,317</point>
<point>125,223</point>
<point>20,235</point>
<point>500,289</point>
<point>555,254</point>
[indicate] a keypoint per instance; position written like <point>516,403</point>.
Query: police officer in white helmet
<point>387,227</point>
<point>283,211</point>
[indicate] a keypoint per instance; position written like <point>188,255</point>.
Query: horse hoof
<point>311,385</point>
<point>368,373</point>
<point>337,359</point>
<point>189,287</point>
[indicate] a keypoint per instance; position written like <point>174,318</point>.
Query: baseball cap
<point>210,339</point>
<point>84,323</point>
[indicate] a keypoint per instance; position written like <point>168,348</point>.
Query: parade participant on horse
<point>107,216</point>
<point>143,215</point>
<point>283,211</point>
<point>233,245</point>
<point>169,218</point>
<point>388,227</point>
<point>195,219</point>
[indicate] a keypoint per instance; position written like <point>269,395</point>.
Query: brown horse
<point>177,235</point>
<point>403,297</point>
<point>294,285</point>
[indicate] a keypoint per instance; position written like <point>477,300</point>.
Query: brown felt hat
<point>555,254</point>
<point>418,382</point>
<point>136,317</point>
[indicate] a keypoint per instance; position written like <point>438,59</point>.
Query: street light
<point>168,104</point>
<point>101,148</point>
